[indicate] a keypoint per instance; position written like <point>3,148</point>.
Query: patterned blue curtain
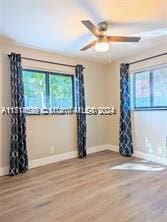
<point>18,151</point>
<point>81,116</point>
<point>125,134</point>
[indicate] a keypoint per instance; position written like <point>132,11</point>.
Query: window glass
<point>142,88</point>
<point>61,91</point>
<point>160,87</point>
<point>34,89</point>
<point>150,89</point>
<point>48,90</point>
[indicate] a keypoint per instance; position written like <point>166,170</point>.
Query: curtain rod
<point>45,61</point>
<point>148,58</point>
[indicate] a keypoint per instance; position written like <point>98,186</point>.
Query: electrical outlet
<point>52,150</point>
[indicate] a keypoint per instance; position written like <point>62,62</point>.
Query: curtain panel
<point>18,150</point>
<point>81,116</point>
<point>125,133</point>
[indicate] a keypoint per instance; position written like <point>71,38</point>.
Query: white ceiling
<point>54,25</point>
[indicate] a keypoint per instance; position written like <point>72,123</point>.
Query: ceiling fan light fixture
<point>102,44</point>
<point>102,47</point>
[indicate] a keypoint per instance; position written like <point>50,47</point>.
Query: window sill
<point>149,109</point>
<point>48,114</point>
<point>49,111</point>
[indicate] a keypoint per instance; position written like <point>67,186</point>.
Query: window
<point>160,87</point>
<point>150,89</point>
<point>48,90</point>
<point>34,89</point>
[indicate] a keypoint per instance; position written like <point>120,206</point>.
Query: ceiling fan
<point>102,42</point>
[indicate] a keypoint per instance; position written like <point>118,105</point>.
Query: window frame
<point>151,107</point>
<point>47,85</point>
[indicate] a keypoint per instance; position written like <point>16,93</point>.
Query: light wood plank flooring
<point>85,191</point>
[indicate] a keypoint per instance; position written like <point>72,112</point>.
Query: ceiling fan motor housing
<point>102,26</point>
<point>102,39</point>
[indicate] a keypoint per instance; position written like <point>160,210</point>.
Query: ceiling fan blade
<point>92,28</point>
<point>123,39</point>
<point>88,46</point>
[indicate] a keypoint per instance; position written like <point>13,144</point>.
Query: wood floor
<point>85,191</point>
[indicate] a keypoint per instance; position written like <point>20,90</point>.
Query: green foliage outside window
<point>47,90</point>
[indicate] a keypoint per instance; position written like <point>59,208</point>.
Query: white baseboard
<point>99,148</point>
<point>52,159</point>
<point>150,157</point>
<point>142,155</point>
<point>56,158</point>
<point>113,148</point>
<point>4,171</point>
<point>69,155</point>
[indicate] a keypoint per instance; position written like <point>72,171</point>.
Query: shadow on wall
<point>150,149</point>
<point>149,132</point>
<point>5,120</point>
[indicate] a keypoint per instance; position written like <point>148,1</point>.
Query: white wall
<point>149,128</point>
<point>46,131</point>
<point>101,88</point>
